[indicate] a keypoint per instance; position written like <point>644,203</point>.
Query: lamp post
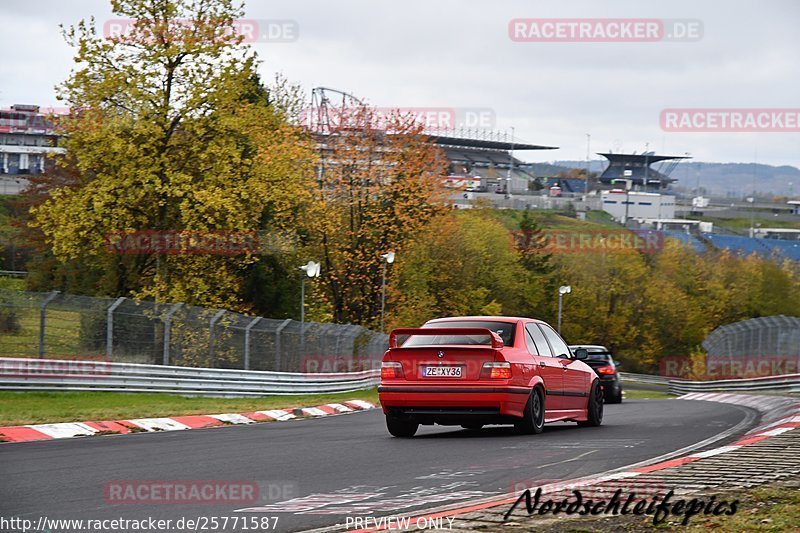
<point>510,167</point>
<point>388,259</point>
<point>588,164</point>
<point>564,289</point>
<point>312,271</point>
<point>628,184</point>
<point>752,200</point>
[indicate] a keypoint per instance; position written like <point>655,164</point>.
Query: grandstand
<point>637,168</point>
<point>772,248</point>
<point>488,160</point>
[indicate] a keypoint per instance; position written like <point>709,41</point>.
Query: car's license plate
<point>441,371</point>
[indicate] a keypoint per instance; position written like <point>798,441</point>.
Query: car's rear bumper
<point>611,385</point>
<point>454,404</point>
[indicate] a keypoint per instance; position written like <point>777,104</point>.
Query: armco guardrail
<point>17,374</point>
<point>783,383</point>
<point>644,378</point>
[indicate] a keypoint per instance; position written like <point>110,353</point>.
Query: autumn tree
<point>170,129</point>
<point>379,185</point>
<point>465,263</point>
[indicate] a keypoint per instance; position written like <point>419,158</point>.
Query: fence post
<point>110,328</point>
<point>211,323</point>
<point>168,331</point>
<point>278,344</point>
<point>50,297</point>
<point>252,323</point>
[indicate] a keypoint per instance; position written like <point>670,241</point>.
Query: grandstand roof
<point>487,144</point>
<point>644,158</point>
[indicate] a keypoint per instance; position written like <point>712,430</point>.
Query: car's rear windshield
<point>504,329</point>
<point>600,356</point>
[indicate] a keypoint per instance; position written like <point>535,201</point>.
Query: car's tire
<point>472,427</point>
<point>614,398</point>
<point>401,428</point>
<point>533,422</point>
<point>595,407</point>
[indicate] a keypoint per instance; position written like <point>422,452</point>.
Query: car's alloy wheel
<point>401,428</point>
<point>534,414</point>
<point>595,407</point>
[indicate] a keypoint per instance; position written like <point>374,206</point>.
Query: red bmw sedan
<point>474,371</point>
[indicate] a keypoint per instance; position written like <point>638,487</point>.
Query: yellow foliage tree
<point>171,130</point>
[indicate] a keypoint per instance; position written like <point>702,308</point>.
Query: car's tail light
<point>391,370</point>
<point>607,369</point>
<point>496,371</point>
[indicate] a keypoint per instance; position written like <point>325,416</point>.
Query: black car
<point>605,367</point>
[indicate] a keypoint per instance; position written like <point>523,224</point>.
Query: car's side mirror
<point>617,364</point>
<point>581,354</point>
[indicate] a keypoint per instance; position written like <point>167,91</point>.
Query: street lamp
<point>312,271</point>
<point>751,200</point>
<point>564,289</point>
<point>388,259</point>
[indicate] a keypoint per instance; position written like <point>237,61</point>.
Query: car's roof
<point>589,347</point>
<point>487,318</point>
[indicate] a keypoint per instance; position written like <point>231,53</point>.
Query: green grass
<point>553,219</point>
<point>18,408</point>
<point>641,394</point>
<point>62,334</point>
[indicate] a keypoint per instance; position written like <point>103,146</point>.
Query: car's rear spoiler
<point>497,342</point>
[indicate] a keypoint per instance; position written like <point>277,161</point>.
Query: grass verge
<point>642,394</point>
<point>19,408</point>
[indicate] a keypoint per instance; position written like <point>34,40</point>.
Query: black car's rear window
<point>504,329</point>
<point>600,356</point>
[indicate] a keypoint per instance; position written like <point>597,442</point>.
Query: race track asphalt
<point>349,462</point>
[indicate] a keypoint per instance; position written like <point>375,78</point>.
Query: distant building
<point>637,205</point>
<point>26,139</point>
<point>786,234</point>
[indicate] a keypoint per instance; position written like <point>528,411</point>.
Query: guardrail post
<point>110,327</point>
<point>211,323</point>
<point>168,331</point>
<point>50,297</point>
<point>278,344</point>
<point>252,323</point>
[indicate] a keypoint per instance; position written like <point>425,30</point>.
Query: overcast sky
<point>458,54</point>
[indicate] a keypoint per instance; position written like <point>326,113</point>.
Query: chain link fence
<point>765,336</point>
<point>61,326</point>
<point>759,347</point>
